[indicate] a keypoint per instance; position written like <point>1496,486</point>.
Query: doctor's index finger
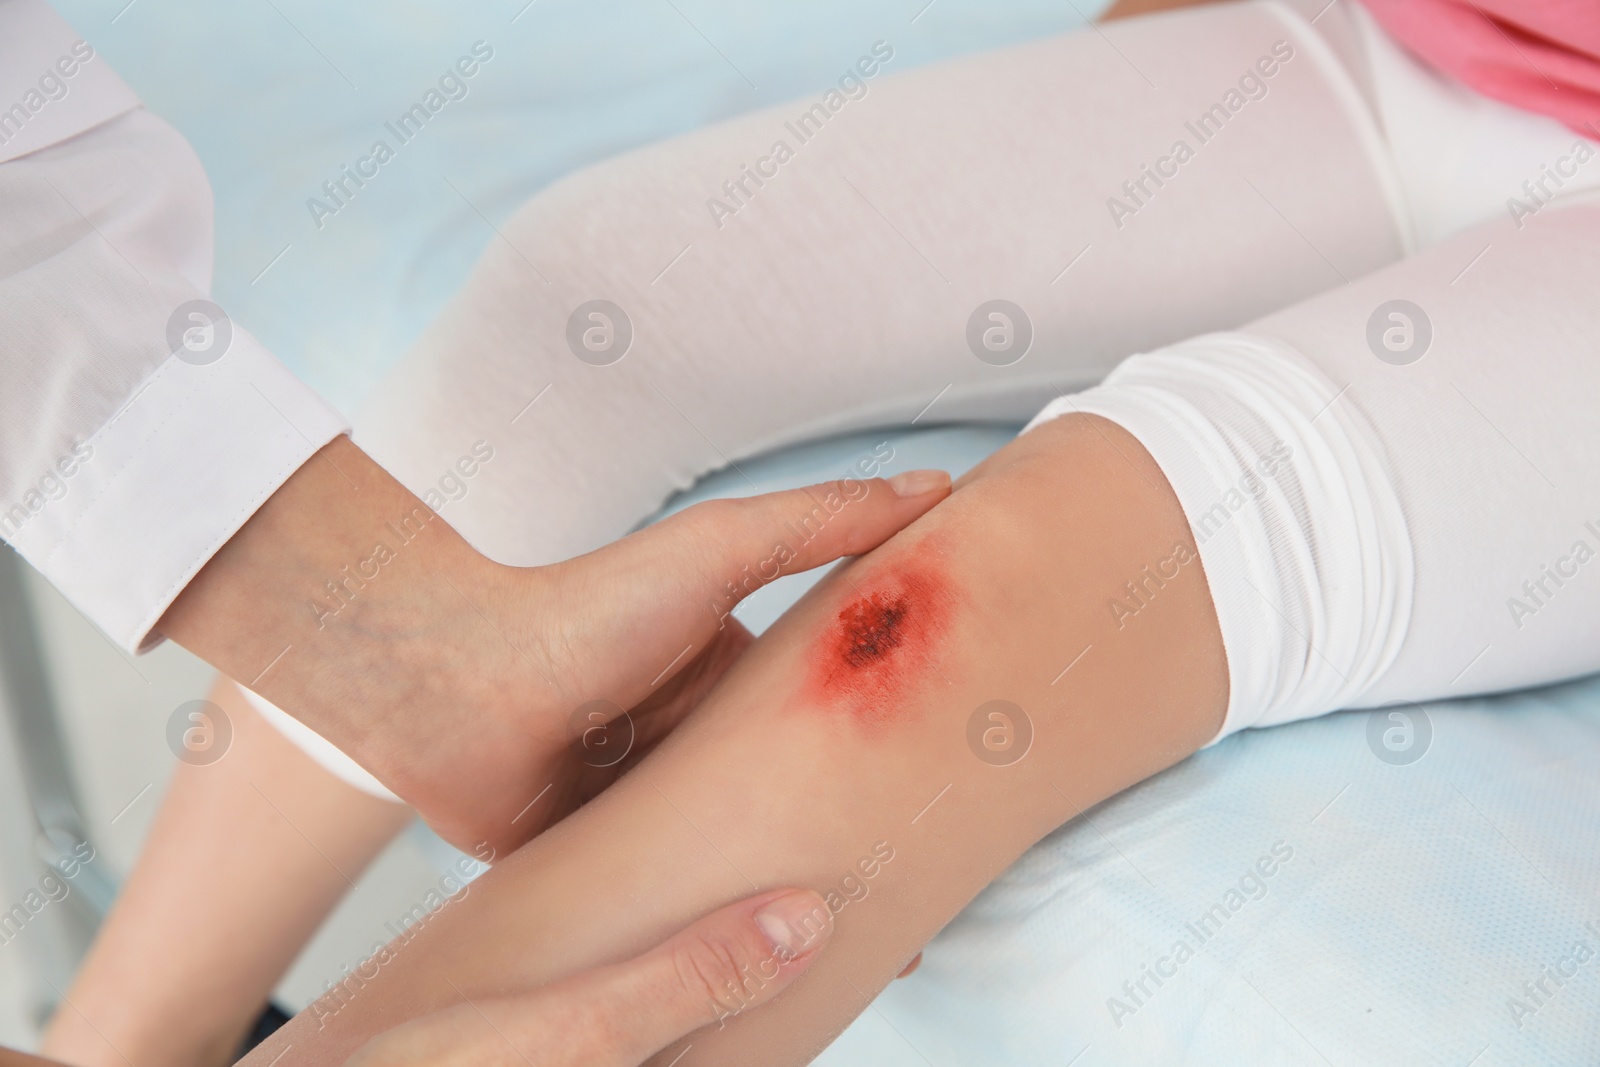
<point>743,543</point>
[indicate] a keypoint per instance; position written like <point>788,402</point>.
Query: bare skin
<point>222,942</point>
<point>22,1059</point>
<point>767,786</point>
<point>456,678</point>
<point>224,933</point>
<point>618,1015</point>
<point>350,604</point>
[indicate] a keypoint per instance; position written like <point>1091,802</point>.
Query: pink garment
<point>1539,55</point>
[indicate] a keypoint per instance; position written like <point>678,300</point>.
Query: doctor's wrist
<point>472,689</point>
<point>346,601</point>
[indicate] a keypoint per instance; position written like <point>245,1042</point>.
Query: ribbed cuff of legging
<point>1293,512</point>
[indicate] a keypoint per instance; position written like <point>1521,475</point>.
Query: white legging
<point>1375,487</point>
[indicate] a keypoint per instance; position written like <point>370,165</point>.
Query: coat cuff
<point>169,478</point>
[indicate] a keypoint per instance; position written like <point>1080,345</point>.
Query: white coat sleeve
<point>139,427</point>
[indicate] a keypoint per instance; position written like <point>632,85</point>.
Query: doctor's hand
<point>619,1016</point>
<point>495,699</point>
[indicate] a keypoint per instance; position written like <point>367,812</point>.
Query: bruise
<point>881,645</point>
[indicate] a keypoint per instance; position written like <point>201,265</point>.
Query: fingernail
<point>795,923</point>
<point>916,483</point>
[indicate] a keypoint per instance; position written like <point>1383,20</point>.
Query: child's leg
<point>245,859</point>
<point>861,753</point>
<point>858,747</point>
<point>845,291</point>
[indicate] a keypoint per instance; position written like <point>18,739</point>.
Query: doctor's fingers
<point>798,529</point>
<point>734,959</point>
<point>726,549</point>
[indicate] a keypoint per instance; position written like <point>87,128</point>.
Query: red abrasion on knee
<point>881,646</point>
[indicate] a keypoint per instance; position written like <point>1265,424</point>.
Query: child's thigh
<point>967,238</point>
